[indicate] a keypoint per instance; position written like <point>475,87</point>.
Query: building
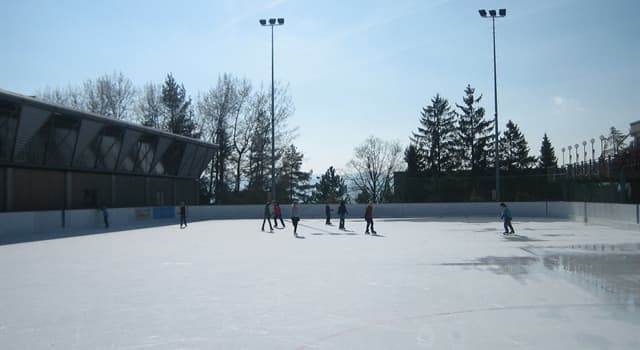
<point>53,157</point>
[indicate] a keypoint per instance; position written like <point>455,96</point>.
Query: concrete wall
<point>87,220</point>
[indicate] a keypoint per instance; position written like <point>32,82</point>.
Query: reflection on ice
<point>608,271</point>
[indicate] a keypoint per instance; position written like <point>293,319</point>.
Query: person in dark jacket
<point>183,215</point>
<point>277,214</point>
<point>327,214</point>
<point>368,216</point>
<point>506,216</point>
<point>105,216</point>
<point>342,213</point>
<point>267,216</point>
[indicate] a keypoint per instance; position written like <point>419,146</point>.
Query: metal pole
<point>273,132</point>
<point>495,101</point>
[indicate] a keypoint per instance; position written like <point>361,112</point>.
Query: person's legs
<point>281,221</point>
<point>342,222</point>
<point>263,222</point>
<point>510,226</point>
<point>506,225</point>
<point>295,225</point>
<point>368,224</point>
<point>372,229</point>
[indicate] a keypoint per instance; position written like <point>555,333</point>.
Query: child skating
<point>506,216</point>
<point>277,214</point>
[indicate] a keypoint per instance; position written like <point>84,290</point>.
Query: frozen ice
<point>418,284</point>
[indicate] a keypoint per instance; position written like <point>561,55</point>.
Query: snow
<point>420,284</point>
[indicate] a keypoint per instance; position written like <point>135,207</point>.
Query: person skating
<point>267,217</point>
<point>105,216</point>
<point>277,214</point>
<point>183,215</point>
<point>368,216</point>
<point>327,214</point>
<point>506,216</point>
<point>295,217</point>
<point>342,213</point>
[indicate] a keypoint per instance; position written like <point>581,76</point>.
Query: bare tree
<point>149,106</point>
<point>243,127</point>
<point>110,95</point>
<point>373,166</point>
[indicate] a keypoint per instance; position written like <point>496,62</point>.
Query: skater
<point>267,217</point>
<point>295,217</point>
<point>506,216</point>
<point>105,216</point>
<point>183,215</point>
<point>327,214</point>
<point>342,213</point>
<point>368,216</point>
<point>277,214</point>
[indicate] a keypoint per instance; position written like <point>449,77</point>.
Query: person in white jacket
<point>295,217</point>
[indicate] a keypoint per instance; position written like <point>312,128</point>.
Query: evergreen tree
<point>514,151</point>
<point>291,178</point>
<point>437,136</point>
<point>179,116</point>
<point>547,155</point>
<point>415,160</point>
<point>474,133</point>
<point>331,187</point>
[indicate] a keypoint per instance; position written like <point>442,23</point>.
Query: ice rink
<point>419,284</point>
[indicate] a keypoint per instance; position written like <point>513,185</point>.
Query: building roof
<point>37,133</point>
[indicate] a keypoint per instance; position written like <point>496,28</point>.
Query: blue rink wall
<point>69,221</point>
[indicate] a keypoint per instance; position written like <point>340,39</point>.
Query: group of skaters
<point>505,215</point>
<point>272,210</point>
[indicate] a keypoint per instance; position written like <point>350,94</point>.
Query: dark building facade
<point>53,157</point>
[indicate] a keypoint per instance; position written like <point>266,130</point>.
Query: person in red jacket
<point>368,216</point>
<point>277,214</point>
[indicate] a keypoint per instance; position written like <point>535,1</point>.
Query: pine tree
<point>437,136</point>
<point>291,178</point>
<point>514,151</point>
<point>179,115</point>
<point>415,160</point>
<point>548,158</point>
<point>331,187</point>
<point>474,133</point>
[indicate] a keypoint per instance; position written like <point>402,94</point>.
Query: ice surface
<point>420,284</point>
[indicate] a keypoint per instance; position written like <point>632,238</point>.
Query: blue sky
<point>355,68</point>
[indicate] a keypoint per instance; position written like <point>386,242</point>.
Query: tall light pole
<point>562,149</point>
<point>493,14</point>
<point>272,22</point>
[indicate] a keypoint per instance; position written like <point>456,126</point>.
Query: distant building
<point>634,131</point>
<point>53,157</point>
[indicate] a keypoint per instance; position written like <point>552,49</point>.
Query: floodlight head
<point>263,22</point>
<point>272,21</point>
<point>483,12</point>
<point>280,21</point>
<point>492,13</point>
<point>502,12</point>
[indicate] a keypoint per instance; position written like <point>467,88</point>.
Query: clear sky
<point>569,68</point>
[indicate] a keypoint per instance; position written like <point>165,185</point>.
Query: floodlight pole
<point>271,23</point>
<point>493,14</point>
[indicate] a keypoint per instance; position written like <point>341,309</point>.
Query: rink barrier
<point>80,221</point>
